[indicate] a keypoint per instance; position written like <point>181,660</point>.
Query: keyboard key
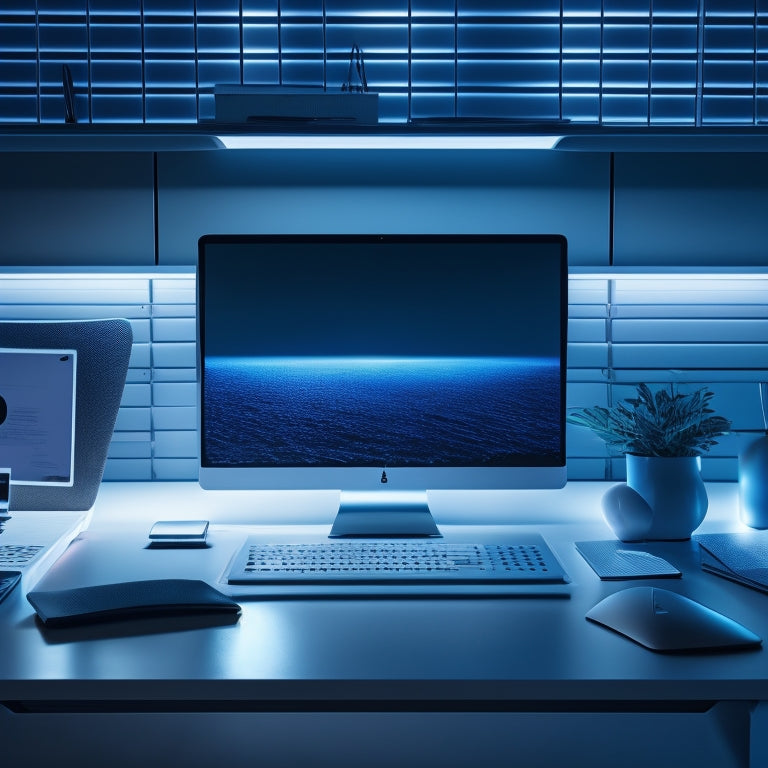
<point>18,555</point>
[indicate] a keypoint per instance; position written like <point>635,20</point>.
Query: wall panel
<point>691,209</point>
<point>388,191</point>
<point>76,208</point>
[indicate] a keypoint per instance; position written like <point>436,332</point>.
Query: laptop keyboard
<point>396,560</point>
<point>18,555</point>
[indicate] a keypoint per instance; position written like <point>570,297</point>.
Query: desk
<point>361,682</point>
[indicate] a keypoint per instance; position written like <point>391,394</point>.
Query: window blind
<point>694,331</point>
<point>690,330</point>
<point>638,62</point>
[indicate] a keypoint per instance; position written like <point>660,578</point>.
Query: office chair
<point>103,351</point>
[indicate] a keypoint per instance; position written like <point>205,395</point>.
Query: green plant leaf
<point>664,423</point>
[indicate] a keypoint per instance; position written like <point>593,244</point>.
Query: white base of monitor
<point>384,515</point>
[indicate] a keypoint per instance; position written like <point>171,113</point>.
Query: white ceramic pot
<point>664,499</point>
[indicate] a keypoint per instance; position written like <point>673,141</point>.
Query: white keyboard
<point>387,561</point>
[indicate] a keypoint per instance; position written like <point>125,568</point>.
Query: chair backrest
<point>103,352</point>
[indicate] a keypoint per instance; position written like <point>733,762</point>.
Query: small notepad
<point>614,561</point>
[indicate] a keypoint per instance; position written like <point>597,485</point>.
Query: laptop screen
<point>37,415</point>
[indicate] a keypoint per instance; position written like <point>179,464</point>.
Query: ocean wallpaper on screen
<point>320,412</point>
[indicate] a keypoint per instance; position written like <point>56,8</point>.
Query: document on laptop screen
<point>37,415</point>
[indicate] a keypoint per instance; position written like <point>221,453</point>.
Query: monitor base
<point>384,515</point>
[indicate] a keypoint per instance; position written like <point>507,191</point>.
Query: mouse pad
<point>665,621</point>
<point>130,599</point>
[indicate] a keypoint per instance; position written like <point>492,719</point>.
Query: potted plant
<point>663,436</point>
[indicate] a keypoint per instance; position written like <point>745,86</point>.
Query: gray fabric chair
<point>103,351</point>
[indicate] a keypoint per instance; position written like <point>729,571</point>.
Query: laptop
<point>61,384</point>
<point>30,542</point>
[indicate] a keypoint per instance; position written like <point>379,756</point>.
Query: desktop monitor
<point>383,366</point>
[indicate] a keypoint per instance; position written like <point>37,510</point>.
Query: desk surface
<point>514,651</point>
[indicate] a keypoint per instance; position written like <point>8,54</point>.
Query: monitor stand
<point>384,514</point>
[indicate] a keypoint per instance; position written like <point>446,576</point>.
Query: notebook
<point>130,600</point>
<point>615,560</point>
<point>740,557</point>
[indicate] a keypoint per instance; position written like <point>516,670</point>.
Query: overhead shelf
<point>570,137</point>
<point>99,139</point>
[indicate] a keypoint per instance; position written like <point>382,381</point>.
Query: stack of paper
<point>741,557</point>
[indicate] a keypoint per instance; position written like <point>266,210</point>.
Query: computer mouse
<point>668,622</point>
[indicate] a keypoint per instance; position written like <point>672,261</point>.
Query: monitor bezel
<point>532,471</point>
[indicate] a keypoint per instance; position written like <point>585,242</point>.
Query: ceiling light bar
<point>388,142</point>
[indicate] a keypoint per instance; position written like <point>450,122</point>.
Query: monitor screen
<point>382,364</point>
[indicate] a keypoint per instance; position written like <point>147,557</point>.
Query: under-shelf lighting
<point>651,274</point>
<point>97,273</point>
<point>388,142</point>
